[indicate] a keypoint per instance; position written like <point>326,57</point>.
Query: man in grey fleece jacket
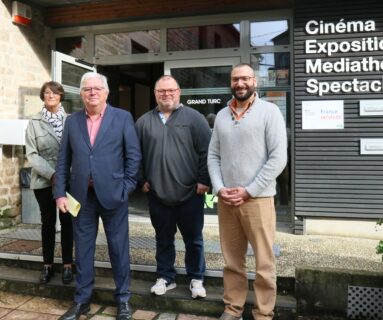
<point>247,152</point>
<point>174,141</point>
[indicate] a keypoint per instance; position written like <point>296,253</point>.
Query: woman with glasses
<point>43,137</point>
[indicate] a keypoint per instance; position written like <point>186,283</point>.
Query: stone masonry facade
<point>24,66</point>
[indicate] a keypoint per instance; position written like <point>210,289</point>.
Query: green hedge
<point>379,247</point>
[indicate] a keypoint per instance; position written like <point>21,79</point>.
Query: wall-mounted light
<point>21,13</point>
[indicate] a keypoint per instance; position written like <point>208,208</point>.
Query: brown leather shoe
<point>228,316</point>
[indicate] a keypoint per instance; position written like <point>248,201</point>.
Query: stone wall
<point>24,66</point>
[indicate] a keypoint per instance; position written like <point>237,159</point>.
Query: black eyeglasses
<point>95,89</point>
<point>243,79</point>
<point>48,93</point>
<point>166,91</point>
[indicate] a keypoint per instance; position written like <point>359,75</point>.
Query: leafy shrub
<point>379,247</point>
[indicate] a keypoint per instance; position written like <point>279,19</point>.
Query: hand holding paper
<point>73,205</point>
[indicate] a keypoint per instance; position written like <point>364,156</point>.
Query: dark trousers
<point>48,211</point>
<point>189,218</point>
<point>116,226</point>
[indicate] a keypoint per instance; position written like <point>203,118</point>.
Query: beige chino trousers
<point>254,221</point>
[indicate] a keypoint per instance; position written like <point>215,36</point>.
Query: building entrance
<point>205,86</point>
<point>131,86</point>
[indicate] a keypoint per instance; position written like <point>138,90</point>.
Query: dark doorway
<point>131,86</point>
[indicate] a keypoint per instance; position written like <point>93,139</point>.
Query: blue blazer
<point>112,162</point>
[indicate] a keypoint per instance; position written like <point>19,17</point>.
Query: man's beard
<point>244,97</point>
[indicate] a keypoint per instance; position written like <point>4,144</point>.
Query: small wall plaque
<point>12,131</point>
<point>371,107</point>
<point>371,146</point>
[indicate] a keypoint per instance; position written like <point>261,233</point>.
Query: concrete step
<point>22,276</point>
<point>286,285</point>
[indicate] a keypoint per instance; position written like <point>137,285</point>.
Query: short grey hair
<point>90,75</point>
<point>166,76</point>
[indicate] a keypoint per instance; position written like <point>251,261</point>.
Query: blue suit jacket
<point>112,162</point>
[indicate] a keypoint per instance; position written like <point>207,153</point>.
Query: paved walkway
<point>291,251</point>
<point>26,307</point>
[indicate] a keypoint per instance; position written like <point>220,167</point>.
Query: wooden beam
<point>122,10</point>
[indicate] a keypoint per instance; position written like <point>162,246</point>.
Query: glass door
<point>205,86</point>
<point>205,83</point>
<point>68,71</point>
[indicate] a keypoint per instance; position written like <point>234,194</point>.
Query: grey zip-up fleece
<point>174,153</point>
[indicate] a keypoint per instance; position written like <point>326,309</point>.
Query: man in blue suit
<point>98,161</point>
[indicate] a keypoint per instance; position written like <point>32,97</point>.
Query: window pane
<point>204,37</point>
<point>71,74</point>
<point>208,103</point>
<point>202,77</point>
<point>206,89</point>
<point>127,43</point>
<point>281,99</point>
<point>272,69</point>
<point>269,33</point>
<point>73,46</point>
<point>72,102</point>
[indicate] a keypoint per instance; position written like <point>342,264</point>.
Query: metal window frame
<point>243,51</point>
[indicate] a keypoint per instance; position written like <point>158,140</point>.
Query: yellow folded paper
<point>73,205</point>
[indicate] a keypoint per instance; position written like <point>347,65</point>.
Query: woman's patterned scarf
<point>55,119</point>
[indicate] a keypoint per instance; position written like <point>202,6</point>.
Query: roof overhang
<point>62,13</point>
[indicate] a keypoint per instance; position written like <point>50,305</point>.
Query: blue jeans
<point>189,218</point>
